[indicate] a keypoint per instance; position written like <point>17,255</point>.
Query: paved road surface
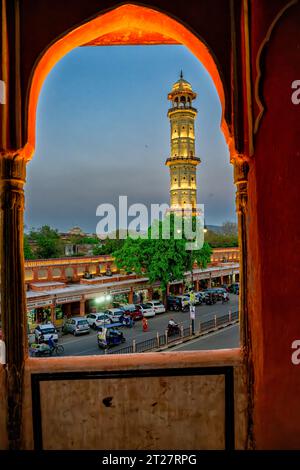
<point>226,338</point>
<point>87,344</point>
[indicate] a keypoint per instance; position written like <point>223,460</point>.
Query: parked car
<point>98,319</point>
<point>211,296</point>
<point>115,314</point>
<point>226,287</point>
<point>219,291</point>
<point>177,303</point>
<point>198,299</point>
<point>146,309</point>
<point>173,303</point>
<point>222,293</point>
<point>158,306</point>
<point>132,311</point>
<point>200,296</point>
<point>76,326</point>
<point>45,331</point>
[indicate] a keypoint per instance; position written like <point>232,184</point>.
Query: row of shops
<point>58,304</point>
<point>56,310</point>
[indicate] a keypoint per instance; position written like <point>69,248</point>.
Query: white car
<point>158,306</point>
<point>98,319</point>
<point>46,331</point>
<point>115,314</point>
<point>147,310</point>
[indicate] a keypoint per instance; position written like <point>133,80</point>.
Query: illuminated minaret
<point>182,161</point>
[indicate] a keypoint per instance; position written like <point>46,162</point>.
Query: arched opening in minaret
<point>102,132</point>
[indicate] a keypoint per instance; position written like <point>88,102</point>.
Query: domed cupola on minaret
<point>182,160</point>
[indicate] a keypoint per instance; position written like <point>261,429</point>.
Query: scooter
<point>173,330</point>
<point>43,350</point>
<point>127,321</point>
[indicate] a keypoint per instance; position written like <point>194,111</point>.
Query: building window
<point>56,272</point>
<point>28,274</point>
<point>42,274</point>
<point>69,272</point>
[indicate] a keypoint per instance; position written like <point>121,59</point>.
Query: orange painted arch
<point>140,22</point>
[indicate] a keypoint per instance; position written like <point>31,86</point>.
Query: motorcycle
<point>173,329</point>
<point>44,350</point>
<point>127,321</point>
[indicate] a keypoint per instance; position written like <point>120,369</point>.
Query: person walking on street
<point>145,324</point>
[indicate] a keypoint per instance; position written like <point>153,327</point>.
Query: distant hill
<point>215,228</point>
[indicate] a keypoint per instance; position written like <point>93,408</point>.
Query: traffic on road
<point>120,325</point>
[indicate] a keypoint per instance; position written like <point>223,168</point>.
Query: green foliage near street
<point>108,246</point>
<point>28,253</point>
<point>163,260</point>
<point>226,237</point>
<point>47,241</point>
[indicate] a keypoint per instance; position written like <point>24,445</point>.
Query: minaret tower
<point>182,161</point>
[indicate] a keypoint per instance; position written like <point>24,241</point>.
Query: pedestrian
<point>51,343</point>
<point>145,324</point>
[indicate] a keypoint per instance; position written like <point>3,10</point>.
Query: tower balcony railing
<point>182,108</point>
<point>184,159</point>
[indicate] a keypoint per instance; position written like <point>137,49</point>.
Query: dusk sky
<point>103,131</point>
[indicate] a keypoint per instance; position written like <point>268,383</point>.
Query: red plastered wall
<point>274,244</point>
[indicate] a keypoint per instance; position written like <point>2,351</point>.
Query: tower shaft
<point>182,161</point>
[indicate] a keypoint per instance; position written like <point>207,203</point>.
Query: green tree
<point>48,242</point>
<point>108,247</point>
<point>77,240</point>
<point>163,260</point>
<point>28,253</point>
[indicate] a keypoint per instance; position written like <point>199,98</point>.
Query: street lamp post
<point>192,300</point>
<point>192,317</point>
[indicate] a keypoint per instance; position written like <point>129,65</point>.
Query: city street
<point>223,339</point>
<point>87,344</point>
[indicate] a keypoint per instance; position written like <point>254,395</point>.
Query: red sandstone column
<point>12,289</point>
<point>82,308</point>
<point>241,169</point>
<point>35,274</point>
<point>52,313</point>
<point>150,293</point>
<point>130,296</point>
